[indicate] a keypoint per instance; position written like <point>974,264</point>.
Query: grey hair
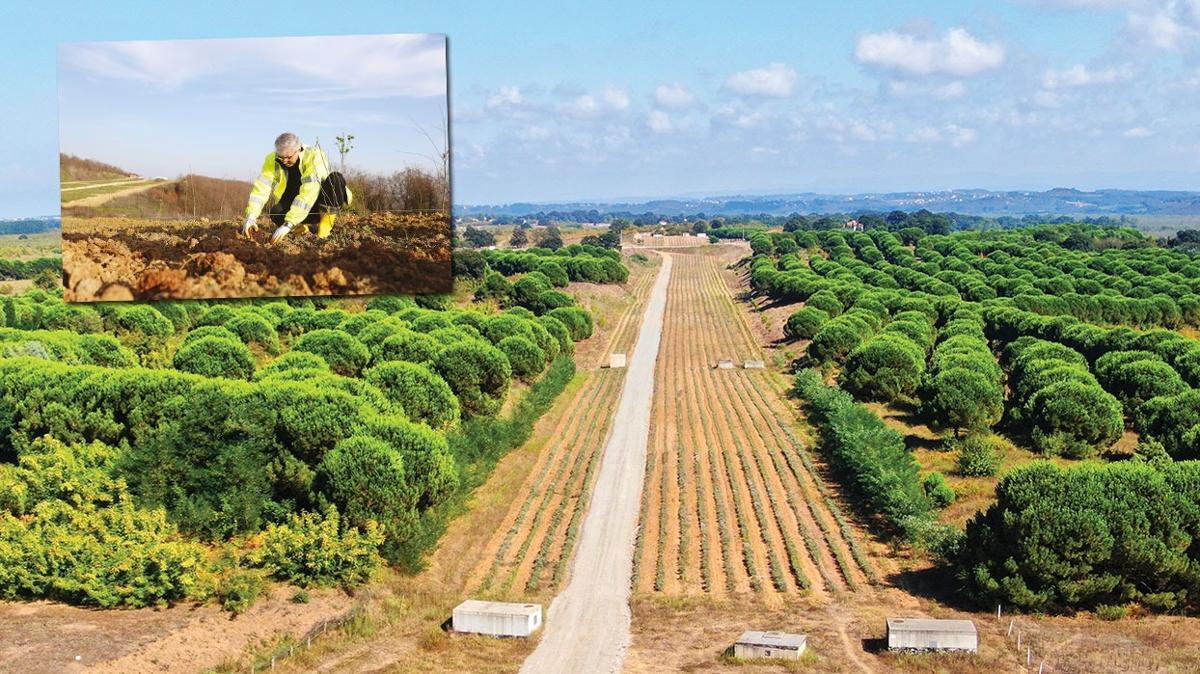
<point>287,142</point>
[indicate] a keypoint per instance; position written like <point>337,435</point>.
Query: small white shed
<point>753,365</point>
<point>925,634</point>
<point>616,360</point>
<point>497,618</point>
<point>778,645</point>
<point>725,364</point>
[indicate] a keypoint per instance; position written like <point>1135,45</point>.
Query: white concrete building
<point>616,360</point>
<point>497,618</point>
<point>778,645</point>
<point>925,634</point>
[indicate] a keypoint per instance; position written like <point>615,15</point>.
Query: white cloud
<point>588,106</point>
<point>349,67</point>
<point>960,136</point>
<point>506,97</point>
<point>659,122</point>
<point>775,80</point>
<point>673,96</point>
<point>956,53</point>
<point>954,134</point>
<point>951,91</point>
<point>615,99</point>
<point>1081,76</point>
<point>1169,24</point>
<point>925,134</point>
<point>1138,132</point>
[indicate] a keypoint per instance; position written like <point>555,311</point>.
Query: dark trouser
<point>331,196</point>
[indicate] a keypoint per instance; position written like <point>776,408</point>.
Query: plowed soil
<point>124,259</point>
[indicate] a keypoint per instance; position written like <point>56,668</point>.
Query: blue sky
<point>620,99</point>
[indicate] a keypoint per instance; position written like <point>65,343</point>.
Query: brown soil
<point>47,637</point>
<point>122,259</point>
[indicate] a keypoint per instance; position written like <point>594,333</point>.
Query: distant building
<point>777,645</point>
<point>924,634</point>
<point>854,225</point>
<point>497,618</point>
<point>616,360</point>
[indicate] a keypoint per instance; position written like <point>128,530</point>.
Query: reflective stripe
<point>300,203</point>
<point>258,200</point>
<point>311,179</point>
<point>264,181</point>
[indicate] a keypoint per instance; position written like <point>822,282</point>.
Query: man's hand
<point>280,233</point>
<point>249,226</point>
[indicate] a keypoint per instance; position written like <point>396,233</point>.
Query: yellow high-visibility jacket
<point>272,180</point>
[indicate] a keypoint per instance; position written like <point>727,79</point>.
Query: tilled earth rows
<point>124,259</point>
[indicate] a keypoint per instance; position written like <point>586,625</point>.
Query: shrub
<point>346,355</point>
<point>526,358</point>
<point>367,479</point>
<point>414,347</point>
<point>146,320</point>
<point>210,331</point>
<point>478,373</point>
<point>885,368</point>
<point>424,396</point>
<point>314,549</point>
<point>978,456</point>
<point>254,329</point>
<point>507,325</point>
<point>805,323</point>
<point>216,314</point>
<point>959,398</point>
<point>559,331</point>
<point>105,351</point>
<point>578,321</point>
<point>939,493</point>
<point>391,303</point>
<point>215,357</point>
<point>294,361</point>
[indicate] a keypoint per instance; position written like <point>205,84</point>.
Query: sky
<point>215,107</point>
<point>619,100</point>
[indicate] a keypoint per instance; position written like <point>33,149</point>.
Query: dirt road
<point>101,199</point>
<point>587,626</point>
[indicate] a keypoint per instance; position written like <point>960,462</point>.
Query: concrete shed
<point>725,364</point>
<point>777,645</point>
<point>925,634</point>
<point>616,360</point>
<point>753,365</point>
<point>497,618</point>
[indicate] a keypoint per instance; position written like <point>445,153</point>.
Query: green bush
<point>210,331</point>
<point>144,320</point>
<point>423,395</point>
<point>478,373</point>
<point>805,323</point>
<point>215,357</point>
<point>216,314</point>
<point>367,479</point>
<point>978,456</point>
<point>254,329</point>
<point>526,358</point>
<point>391,303</point>
<point>105,351</point>
<point>414,347</point>
<point>937,491</point>
<point>886,368</point>
<point>345,355</point>
<point>294,361</point>
<point>577,320</point>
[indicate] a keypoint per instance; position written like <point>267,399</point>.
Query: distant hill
<point>1063,201</point>
<point>30,225</point>
<point>72,168</point>
<point>189,196</point>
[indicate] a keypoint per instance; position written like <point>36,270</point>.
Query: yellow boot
<point>326,225</point>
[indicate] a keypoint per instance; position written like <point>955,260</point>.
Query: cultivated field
<point>732,503</point>
<point>121,259</point>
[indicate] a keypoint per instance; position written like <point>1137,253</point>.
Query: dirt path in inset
<point>101,199</point>
<point>587,626</point>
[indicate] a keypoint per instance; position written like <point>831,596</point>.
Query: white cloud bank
<point>956,53</point>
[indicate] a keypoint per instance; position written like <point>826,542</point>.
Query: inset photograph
<point>254,167</point>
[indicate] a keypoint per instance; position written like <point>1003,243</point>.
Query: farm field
<point>731,502</point>
<point>96,192</point>
<point>118,258</point>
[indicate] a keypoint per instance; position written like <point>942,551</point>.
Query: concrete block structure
<point>926,634</point>
<point>497,618</point>
<point>776,645</point>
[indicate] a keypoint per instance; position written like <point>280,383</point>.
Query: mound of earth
<point>124,259</point>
